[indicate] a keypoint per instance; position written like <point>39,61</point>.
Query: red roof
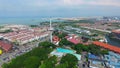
<point>56,38</point>
<point>73,40</point>
<point>5,46</point>
<point>107,46</point>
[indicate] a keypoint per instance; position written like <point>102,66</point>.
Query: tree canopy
<point>69,60</point>
<point>80,47</point>
<point>31,59</point>
<point>47,44</point>
<point>64,41</point>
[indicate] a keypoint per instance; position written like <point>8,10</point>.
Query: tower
<point>51,30</point>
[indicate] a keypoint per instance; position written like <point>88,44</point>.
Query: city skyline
<point>59,8</point>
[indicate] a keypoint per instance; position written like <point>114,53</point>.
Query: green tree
<point>64,65</point>
<point>49,63</point>
<point>5,65</point>
<point>33,26</point>
<point>94,49</point>
<point>80,47</point>
<point>70,59</point>
<point>65,42</point>
<point>33,57</point>
<point>31,62</point>
<point>47,44</point>
<point>104,52</point>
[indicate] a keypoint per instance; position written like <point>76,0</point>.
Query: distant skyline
<point>59,8</point>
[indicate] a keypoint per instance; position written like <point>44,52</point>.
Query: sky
<point>59,8</point>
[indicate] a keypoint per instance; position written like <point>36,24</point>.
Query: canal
<point>112,42</point>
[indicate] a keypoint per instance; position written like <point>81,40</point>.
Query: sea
<point>37,21</point>
<point>23,20</point>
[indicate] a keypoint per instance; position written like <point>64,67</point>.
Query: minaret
<point>51,30</point>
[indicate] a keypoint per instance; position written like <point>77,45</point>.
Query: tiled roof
<point>5,46</point>
<point>107,46</point>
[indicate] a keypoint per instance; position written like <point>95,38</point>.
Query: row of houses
<point>25,35</point>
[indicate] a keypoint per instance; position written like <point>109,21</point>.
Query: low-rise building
<point>5,46</point>
<point>23,36</point>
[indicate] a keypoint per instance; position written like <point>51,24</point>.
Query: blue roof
<point>92,56</point>
<point>115,62</point>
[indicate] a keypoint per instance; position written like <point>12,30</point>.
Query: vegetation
<point>69,61</point>
<point>49,63</point>
<point>97,50</point>
<point>79,48</point>
<point>33,25</point>
<point>31,62</point>
<point>47,44</point>
<point>79,21</point>
<point>104,52</point>
<point>6,31</point>
<point>31,59</point>
<point>65,42</point>
<point>89,48</point>
<point>39,58</point>
<point>60,34</point>
<point>65,65</point>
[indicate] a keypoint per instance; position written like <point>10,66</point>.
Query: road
<point>97,29</point>
<point>6,57</point>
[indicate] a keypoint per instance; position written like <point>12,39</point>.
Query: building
<point>95,61</point>
<point>107,46</point>
<point>113,60</point>
<point>0,51</point>
<point>116,33</point>
<point>75,39</point>
<point>56,40</point>
<point>5,46</point>
<point>23,36</point>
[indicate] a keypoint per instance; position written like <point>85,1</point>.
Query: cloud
<point>58,7</point>
<point>53,4</point>
<point>92,2</point>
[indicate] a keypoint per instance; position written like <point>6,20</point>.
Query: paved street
<point>97,29</point>
<point>6,57</point>
<point>82,61</point>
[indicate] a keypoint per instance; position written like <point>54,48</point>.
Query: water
<point>70,52</point>
<point>112,42</point>
<point>65,50</point>
<point>24,20</point>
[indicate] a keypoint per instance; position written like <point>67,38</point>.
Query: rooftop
<point>5,46</point>
<point>107,46</point>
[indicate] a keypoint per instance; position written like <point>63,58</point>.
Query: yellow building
<point>0,51</point>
